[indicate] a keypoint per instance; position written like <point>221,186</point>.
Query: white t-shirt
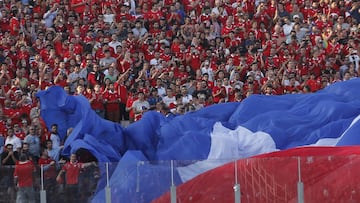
<point>168,100</point>
<point>186,99</point>
<point>114,44</point>
<point>55,140</point>
<point>140,105</point>
<point>109,18</point>
<point>15,141</point>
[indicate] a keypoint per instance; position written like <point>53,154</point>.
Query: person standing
<point>72,171</point>
<point>13,140</point>
<point>49,174</point>
<point>8,159</point>
<point>140,106</point>
<point>34,143</point>
<point>112,100</point>
<point>53,153</point>
<point>23,175</point>
<point>55,137</point>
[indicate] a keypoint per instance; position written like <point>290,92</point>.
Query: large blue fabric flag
<point>223,132</point>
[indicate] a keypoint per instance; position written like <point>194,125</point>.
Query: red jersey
<point>195,61</point>
<point>24,172</point>
<point>222,95</point>
<point>123,92</point>
<point>72,172</point>
<point>78,9</point>
<point>97,102</point>
<point>20,135</point>
<point>14,26</point>
<point>51,171</point>
<point>129,104</point>
<point>226,30</point>
<point>112,99</point>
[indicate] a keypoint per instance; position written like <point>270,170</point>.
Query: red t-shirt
<point>215,90</point>
<point>122,91</point>
<point>129,103</point>
<point>14,26</point>
<point>24,172</point>
<point>51,171</point>
<point>20,135</point>
<point>97,103</point>
<point>111,98</point>
<point>78,9</point>
<point>72,172</point>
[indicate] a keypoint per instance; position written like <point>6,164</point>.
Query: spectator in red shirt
<point>96,101</point>
<point>19,132</point>
<point>112,107</point>
<point>79,6</point>
<point>219,92</point>
<point>72,171</point>
<point>23,175</point>
<point>130,100</point>
<point>321,32</point>
<point>49,174</point>
<point>14,22</point>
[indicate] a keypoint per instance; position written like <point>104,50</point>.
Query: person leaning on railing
<point>72,171</point>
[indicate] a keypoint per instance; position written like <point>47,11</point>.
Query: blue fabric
<point>291,120</point>
<point>129,180</point>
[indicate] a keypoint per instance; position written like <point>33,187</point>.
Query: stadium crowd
<point>128,57</point>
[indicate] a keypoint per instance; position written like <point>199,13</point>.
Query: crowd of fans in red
<point>179,56</point>
<point>128,56</point>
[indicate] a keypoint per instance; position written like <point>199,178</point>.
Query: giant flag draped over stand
<point>222,132</point>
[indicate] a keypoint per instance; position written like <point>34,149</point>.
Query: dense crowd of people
<point>132,56</point>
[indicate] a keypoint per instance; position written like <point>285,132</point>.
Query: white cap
<point>18,91</point>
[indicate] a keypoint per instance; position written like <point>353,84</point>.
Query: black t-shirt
<point>10,161</point>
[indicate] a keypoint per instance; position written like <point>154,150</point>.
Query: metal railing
<point>287,179</point>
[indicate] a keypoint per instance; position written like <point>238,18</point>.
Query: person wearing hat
<point>354,59</point>
<point>296,17</point>
<point>296,13</point>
